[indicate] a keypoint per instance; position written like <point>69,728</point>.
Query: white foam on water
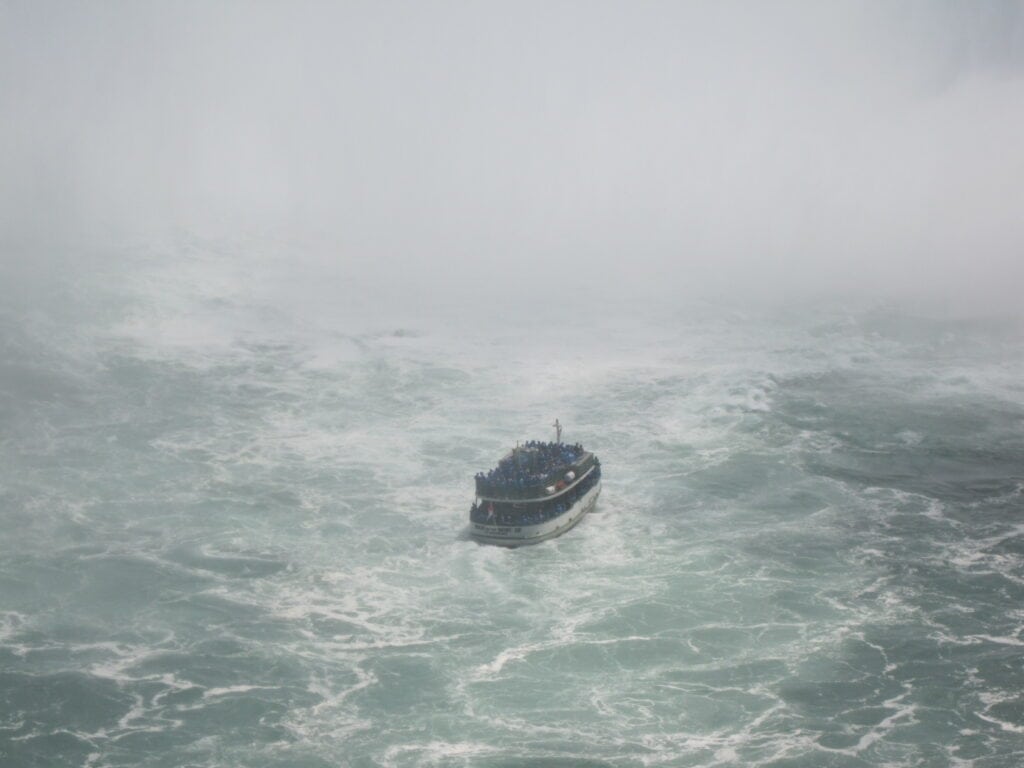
<point>1002,724</point>
<point>234,689</point>
<point>1010,640</point>
<point>11,623</point>
<point>438,752</point>
<point>903,715</point>
<point>333,718</point>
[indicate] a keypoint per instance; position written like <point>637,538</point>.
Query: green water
<point>236,537</point>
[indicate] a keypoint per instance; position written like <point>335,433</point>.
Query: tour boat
<point>538,491</point>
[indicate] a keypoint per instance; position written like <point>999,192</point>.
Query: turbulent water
<point>234,533</point>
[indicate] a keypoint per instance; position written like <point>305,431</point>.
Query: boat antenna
<point>558,431</point>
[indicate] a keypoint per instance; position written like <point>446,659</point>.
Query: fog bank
<point>646,150</point>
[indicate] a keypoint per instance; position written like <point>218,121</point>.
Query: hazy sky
<point>749,145</point>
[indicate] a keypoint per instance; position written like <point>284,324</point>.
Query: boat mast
<point>558,431</point>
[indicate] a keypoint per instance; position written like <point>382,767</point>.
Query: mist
<point>464,151</point>
<point>279,280</point>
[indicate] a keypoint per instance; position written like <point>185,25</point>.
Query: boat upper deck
<point>534,470</point>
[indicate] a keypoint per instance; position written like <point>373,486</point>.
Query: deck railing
<point>504,512</point>
<point>548,486</point>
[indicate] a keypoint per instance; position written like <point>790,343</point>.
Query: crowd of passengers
<point>528,467</point>
<point>505,514</point>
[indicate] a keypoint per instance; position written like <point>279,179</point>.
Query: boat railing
<point>505,513</point>
<point>550,485</point>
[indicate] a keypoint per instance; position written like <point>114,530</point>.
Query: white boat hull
<point>519,535</point>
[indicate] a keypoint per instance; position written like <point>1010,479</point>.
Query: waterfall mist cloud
<point>651,148</point>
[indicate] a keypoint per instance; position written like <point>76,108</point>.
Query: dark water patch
<point>23,384</point>
<point>822,759</point>
<point>331,626</point>
<point>120,586</point>
<point>221,647</point>
<point>73,699</point>
<point>298,756</point>
<point>963,479</point>
<point>646,618</point>
<point>165,744</point>
<point>544,762</point>
<point>250,716</point>
<point>822,700</point>
<point>796,550</point>
<point>641,653</point>
<point>955,448</point>
<point>41,749</point>
<point>404,684</point>
<point>211,612</point>
<point>156,389</point>
<point>1013,545</point>
<point>40,584</point>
